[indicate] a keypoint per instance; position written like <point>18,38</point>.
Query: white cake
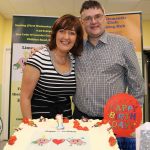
<point>43,134</point>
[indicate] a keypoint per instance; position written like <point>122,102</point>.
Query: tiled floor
<point>2,144</point>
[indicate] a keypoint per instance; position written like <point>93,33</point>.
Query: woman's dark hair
<point>68,22</point>
<point>91,4</point>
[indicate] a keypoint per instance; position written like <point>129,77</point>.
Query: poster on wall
<point>28,32</point>
<point>128,25</point>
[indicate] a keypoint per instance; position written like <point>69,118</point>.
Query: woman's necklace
<point>61,63</point>
<point>61,60</point>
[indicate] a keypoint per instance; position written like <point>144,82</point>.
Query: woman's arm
<point>30,78</point>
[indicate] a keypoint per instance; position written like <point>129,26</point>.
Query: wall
<point>7,33</point>
<point>1,54</point>
<point>5,42</point>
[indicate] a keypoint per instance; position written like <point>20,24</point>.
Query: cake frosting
<point>44,134</point>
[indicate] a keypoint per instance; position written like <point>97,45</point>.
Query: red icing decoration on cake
<point>79,127</point>
<point>25,120</point>
<point>65,120</point>
<point>112,141</point>
<point>105,121</point>
<point>58,141</point>
<point>12,140</point>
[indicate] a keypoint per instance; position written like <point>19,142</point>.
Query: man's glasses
<point>97,17</point>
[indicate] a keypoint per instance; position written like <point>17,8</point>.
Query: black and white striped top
<point>53,90</point>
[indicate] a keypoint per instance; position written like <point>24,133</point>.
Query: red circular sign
<point>124,114</point>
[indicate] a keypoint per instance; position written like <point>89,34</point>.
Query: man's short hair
<point>91,4</point>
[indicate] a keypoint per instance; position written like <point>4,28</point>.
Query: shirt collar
<point>102,38</point>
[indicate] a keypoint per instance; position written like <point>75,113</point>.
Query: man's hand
<point>34,50</point>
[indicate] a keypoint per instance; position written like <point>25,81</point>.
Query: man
<point>108,65</point>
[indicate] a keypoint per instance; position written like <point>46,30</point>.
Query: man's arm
<point>34,50</point>
<point>134,77</point>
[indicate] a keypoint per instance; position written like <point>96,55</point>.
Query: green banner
<point>32,29</point>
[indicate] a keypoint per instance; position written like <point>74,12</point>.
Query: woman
<point>49,77</point>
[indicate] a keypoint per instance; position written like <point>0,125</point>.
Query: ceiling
<point>8,8</point>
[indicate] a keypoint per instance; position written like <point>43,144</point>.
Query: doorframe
<point>5,92</point>
<point>146,66</point>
